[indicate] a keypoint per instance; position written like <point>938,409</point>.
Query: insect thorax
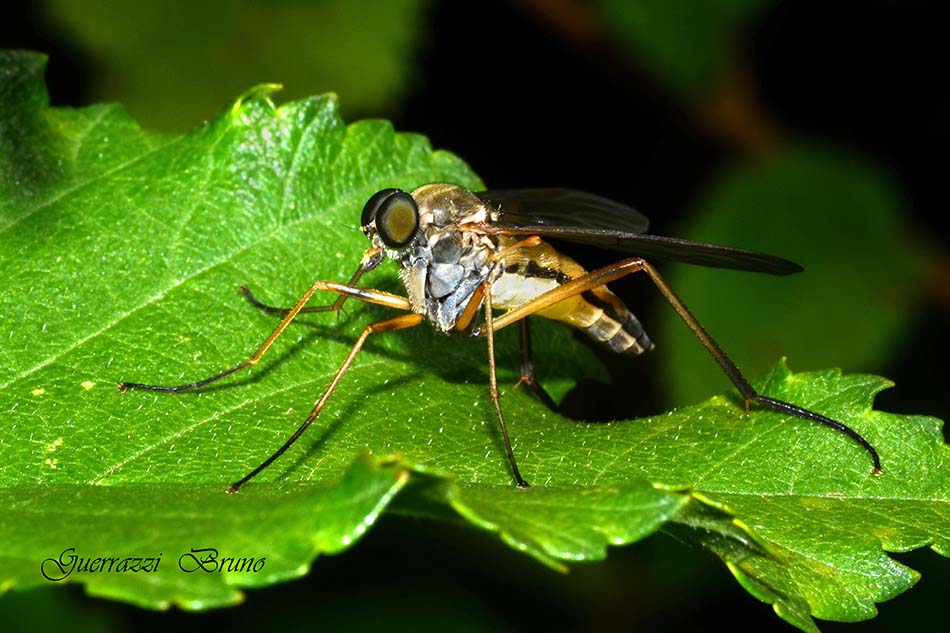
<point>445,264</point>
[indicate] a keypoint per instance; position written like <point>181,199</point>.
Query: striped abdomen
<point>531,271</point>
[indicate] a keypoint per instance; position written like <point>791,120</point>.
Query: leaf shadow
<point>457,359</point>
<point>311,458</point>
<point>339,419</point>
<point>425,350</point>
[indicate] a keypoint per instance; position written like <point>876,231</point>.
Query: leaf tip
<point>260,91</point>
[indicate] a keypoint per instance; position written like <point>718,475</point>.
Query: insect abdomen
<point>613,323</point>
<point>532,271</point>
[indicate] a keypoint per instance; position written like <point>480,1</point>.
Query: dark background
<point>528,101</point>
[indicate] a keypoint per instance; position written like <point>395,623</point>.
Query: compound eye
<point>372,205</point>
<point>397,219</point>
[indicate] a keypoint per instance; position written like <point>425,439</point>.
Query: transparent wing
<point>583,218</point>
<point>564,208</point>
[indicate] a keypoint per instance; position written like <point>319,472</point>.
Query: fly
<point>461,252</point>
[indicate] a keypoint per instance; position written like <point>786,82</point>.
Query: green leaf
<point>543,521</point>
<point>823,530</point>
<point>122,249</point>
<point>272,533</point>
<point>362,51</point>
<point>834,214</point>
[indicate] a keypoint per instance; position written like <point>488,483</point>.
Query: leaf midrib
<point>161,294</point>
<point>82,184</point>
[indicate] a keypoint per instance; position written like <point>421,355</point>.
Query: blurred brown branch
<point>731,111</point>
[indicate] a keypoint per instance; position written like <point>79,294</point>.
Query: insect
<point>461,253</point>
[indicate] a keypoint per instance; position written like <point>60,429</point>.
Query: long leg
<point>398,323</point>
<point>371,260</point>
<point>527,368</point>
<point>370,296</point>
<point>620,269</point>
<point>493,385</point>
